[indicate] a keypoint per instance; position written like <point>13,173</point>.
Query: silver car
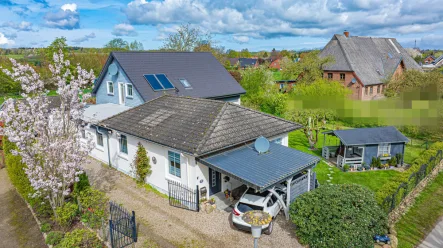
<point>251,200</point>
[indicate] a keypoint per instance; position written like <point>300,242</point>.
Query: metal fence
<point>392,201</point>
<point>122,226</point>
<point>182,196</point>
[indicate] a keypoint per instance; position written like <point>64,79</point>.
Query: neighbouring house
<point>245,63</point>
<point>201,143</point>
<point>355,146</point>
<point>132,78</point>
<point>286,85</point>
<point>364,64</point>
<point>429,59</point>
<point>233,62</point>
<point>275,63</point>
<point>437,63</point>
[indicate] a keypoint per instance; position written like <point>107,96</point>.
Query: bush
<point>346,167</point>
<point>82,184</point>
<point>360,168</point>
<point>94,206</point>
<point>392,161</point>
<point>80,238</point>
<point>399,157</point>
<point>66,214</point>
<point>141,164</point>
<point>46,227</point>
<point>338,216</point>
<point>42,207</point>
<point>54,238</point>
<point>366,166</point>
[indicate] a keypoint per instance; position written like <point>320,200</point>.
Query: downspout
<point>107,141</point>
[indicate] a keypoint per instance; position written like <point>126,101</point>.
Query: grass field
<point>422,216</point>
<point>15,56</point>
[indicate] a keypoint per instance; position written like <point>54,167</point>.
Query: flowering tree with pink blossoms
<point>48,139</point>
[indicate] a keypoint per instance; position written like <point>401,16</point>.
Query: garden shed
<point>357,146</point>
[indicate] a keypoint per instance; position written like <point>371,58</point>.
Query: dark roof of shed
<point>367,136</point>
<point>197,126</point>
<point>372,59</point>
<point>208,78</point>
<point>261,171</point>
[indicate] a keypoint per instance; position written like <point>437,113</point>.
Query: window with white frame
<point>174,164</point>
<point>110,88</point>
<point>99,139</point>
<point>129,90</point>
<point>123,144</point>
<point>384,149</point>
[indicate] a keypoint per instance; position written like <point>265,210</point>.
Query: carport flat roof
<point>260,171</point>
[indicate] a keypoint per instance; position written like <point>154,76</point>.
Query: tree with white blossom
<point>48,138</point>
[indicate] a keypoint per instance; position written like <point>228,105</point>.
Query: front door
<point>121,92</point>
<point>214,182</point>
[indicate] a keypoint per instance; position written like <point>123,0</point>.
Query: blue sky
<point>236,24</point>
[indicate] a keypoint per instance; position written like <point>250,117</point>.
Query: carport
<point>262,171</point>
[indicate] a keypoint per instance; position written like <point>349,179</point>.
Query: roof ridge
<point>345,54</point>
<point>212,127</point>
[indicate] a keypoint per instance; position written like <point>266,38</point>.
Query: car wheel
<point>389,242</point>
<point>377,241</point>
<point>270,228</point>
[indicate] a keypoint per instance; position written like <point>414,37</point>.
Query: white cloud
<point>241,38</point>
<point>21,26</point>
<point>5,41</point>
<point>123,29</point>
<point>66,18</point>
<point>69,6</point>
<point>84,38</point>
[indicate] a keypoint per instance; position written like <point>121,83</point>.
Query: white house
<point>200,142</point>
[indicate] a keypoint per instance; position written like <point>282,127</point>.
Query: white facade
<point>192,172</point>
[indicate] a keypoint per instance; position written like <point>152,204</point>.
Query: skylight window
<point>185,83</point>
<point>159,82</point>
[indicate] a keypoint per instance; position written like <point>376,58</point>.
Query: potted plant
<point>374,163</point>
<point>360,168</point>
<point>399,157</point>
<point>345,167</point>
<point>366,166</point>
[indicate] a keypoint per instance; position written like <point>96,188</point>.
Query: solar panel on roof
<point>165,81</point>
<point>152,80</point>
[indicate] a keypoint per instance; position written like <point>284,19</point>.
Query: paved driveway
<point>164,226</point>
<point>434,238</point>
<point>17,225</point>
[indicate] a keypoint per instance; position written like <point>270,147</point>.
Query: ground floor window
<point>384,149</point>
<point>366,90</point>
<point>123,144</point>
<point>174,164</point>
<point>99,139</point>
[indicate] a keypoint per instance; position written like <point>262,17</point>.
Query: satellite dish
<point>112,69</point>
<point>353,80</point>
<point>261,145</point>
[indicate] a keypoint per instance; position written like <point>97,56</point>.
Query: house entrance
<point>214,182</point>
<point>121,92</point>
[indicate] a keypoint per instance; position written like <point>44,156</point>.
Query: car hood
<point>253,200</point>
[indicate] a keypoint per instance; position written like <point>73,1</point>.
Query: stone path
<point>330,174</point>
<point>434,238</point>
<point>161,225</point>
<point>17,225</point>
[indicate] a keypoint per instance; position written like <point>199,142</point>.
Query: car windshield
<point>251,191</point>
<point>244,207</point>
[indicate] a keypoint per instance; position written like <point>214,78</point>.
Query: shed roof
<point>197,126</point>
<point>261,171</point>
<point>207,77</point>
<point>372,59</point>
<point>99,112</point>
<point>367,136</point>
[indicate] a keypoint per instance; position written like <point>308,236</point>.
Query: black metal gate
<point>122,226</point>
<point>182,196</point>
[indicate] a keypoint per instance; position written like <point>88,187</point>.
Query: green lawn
<point>413,150</point>
<point>15,56</point>
<point>374,180</point>
<point>422,216</point>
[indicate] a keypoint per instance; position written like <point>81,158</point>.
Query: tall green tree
<point>232,54</point>
<point>58,44</point>
<point>136,46</point>
<point>308,70</point>
<point>244,53</point>
<point>117,44</point>
<point>186,39</point>
<point>141,165</point>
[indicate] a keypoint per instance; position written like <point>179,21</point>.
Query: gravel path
<point>17,225</point>
<point>166,226</point>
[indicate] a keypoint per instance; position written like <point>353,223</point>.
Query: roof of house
<point>99,112</point>
<point>367,136</point>
<point>246,62</point>
<point>207,77</point>
<point>430,56</point>
<point>438,60</point>
<point>233,61</point>
<point>372,59</point>
<point>260,171</point>
<point>197,126</point>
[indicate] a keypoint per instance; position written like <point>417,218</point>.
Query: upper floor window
<point>370,90</point>
<point>185,83</point>
<point>123,144</point>
<point>174,164</point>
<point>342,76</point>
<point>110,88</point>
<point>129,90</point>
<point>99,139</point>
<point>330,76</point>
